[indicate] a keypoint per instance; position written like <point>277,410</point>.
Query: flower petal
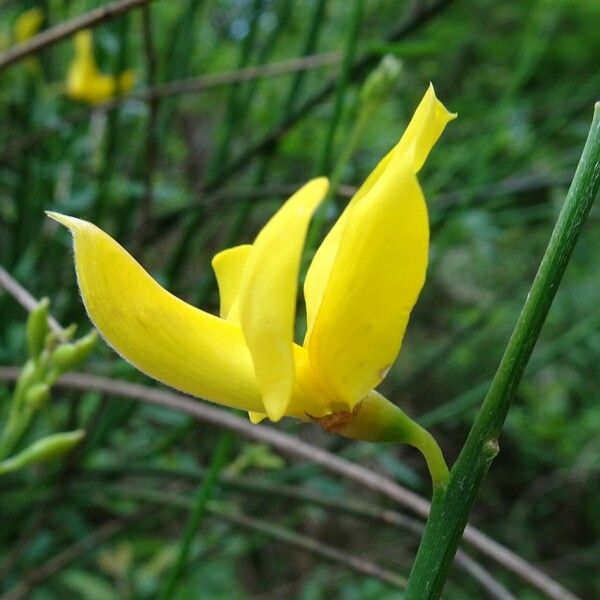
<point>160,334</point>
<point>367,274</point>
<point>228,266</point>
<point>424,129</point>
<point>267,298</point>
<point>85,82</point>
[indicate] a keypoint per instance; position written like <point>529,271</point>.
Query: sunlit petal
<point>160,334</point>
<point>378,272</point>
<point>228,266</point>
<point>267,299</point>
<point>424,129</point>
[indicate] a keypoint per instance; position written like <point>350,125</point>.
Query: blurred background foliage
<point>177,177</point>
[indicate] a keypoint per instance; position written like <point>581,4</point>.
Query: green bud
<point>37,328</point>
<point>37,395</point>
<point>63,357</point>
<point>26,378</point>
<point>85,345</point>
<point>381,81</point>
<point>69,332</point>
<point>72,354</point>
<point>43,450</point>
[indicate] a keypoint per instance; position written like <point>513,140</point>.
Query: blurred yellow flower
<point>85,82</point>
<point>360,288</point>
<point>28,24</point>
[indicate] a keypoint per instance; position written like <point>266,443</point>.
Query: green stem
<point>19,415</point>
<point>425,443</point>
<point>450,510</point>
<point>364,115</point>
<point>232,117</point>
<point>320,217</point>
<point>324,165</point>
<point>199,510</point>
<point>377,419</point>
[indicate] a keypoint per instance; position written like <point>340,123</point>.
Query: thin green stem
<point>316,25</point>
<point>346,151</point>
<point>199,510</point>
<point>450,510</point>
<point>231,119</point>
<point>235,106</point>
<point>112,135</point>
<point>428,447</point>
<point>324,165</point>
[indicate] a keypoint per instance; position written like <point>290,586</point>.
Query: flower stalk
<point>450,510</point>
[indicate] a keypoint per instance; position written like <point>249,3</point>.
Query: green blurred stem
<point>112,134</point>
<point>325,160</point>
<point>199,510</point>
<point>342,85</point>
<point>450,509</point>
<point>19,415</point>
<point>233,115</point>
<point>318,223</point>
<point>244,210</point>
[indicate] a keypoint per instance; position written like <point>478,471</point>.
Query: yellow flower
<point>28,24</point>
<point>360,288</point>
<point>85,82</point>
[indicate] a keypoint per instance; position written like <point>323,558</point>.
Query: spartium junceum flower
<point>85,82</point>
<point>359,290</point>
<point>28,23</point>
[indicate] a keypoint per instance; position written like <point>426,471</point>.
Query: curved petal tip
<point>71,223</point>
<point>450,116</point>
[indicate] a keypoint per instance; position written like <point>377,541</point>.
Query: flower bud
<point>84,346</point>
<point>380,83</point>
<point>37,328</point>
<point>43,450</point>
<point>28,24</point>
<point>37,395</point>
<point>63,357</point>
<point>72,354</point>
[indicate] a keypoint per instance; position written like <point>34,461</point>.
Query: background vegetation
<point>177,177</point>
